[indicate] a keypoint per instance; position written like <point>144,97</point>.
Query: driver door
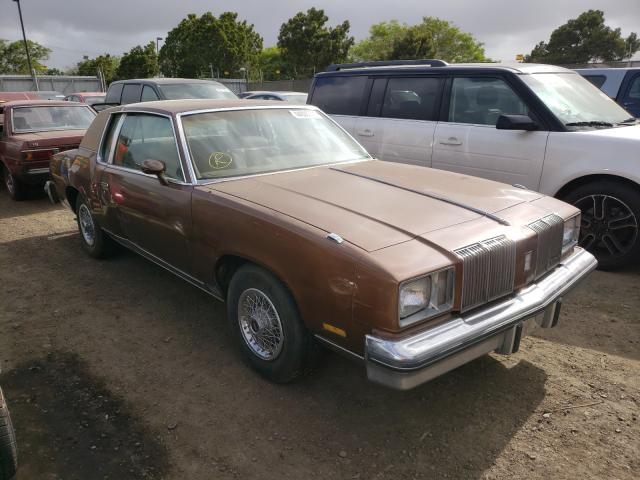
<point>155,218</point>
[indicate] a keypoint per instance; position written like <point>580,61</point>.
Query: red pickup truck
<point>33,130</point>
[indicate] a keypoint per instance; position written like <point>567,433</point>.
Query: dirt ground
<point>117,370</point>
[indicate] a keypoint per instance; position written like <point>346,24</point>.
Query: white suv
<point>542,127</point>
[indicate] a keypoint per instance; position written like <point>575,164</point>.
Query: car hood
<point>375,204</point>
<point>631,132</point>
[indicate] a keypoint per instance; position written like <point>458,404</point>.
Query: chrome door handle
<point>365,133</point>
<point>451,141</point>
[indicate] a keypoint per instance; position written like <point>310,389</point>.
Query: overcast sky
<point>73,28</point>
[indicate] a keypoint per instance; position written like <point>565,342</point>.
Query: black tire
<point>16,189</point>
<point>8,446</point>
<point>610,226</point>
<point>101,245</point>
<point>298,351</point>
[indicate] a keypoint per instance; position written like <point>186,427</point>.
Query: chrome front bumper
<point>410,361</point>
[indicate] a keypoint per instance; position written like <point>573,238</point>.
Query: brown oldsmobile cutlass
<point>278,211</point>
<point>33,130</point>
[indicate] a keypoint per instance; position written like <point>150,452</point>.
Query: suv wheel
<point>8,449</point>
<point>610,227</point>
<point>265,321</point>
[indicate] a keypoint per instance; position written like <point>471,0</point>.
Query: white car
<point>538,126</point>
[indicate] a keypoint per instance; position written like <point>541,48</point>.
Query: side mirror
<point>157,168</point>
<point>516,122</point>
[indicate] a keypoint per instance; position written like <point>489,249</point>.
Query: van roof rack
<point>386,63</point>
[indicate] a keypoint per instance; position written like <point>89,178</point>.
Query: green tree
<point>107,64</point>
<point>199,44</point>
<point>13,58</point>
<point>308,45</point>
<point>583,40</point>
<point>139,62</point>
<point>272,65</point>
<point>432,38</point>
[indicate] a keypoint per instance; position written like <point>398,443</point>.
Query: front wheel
<point>265,321</point>
<point>8,449</point>
<point>610,227</point>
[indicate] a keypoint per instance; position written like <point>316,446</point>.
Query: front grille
<point>549,230</point>
<point>488,270</point>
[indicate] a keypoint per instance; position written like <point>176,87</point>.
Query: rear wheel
<point>8,448</point>
<point>610,227</point>
<point>267,325</point>
<point>17,190</point>
<point>94,240</point>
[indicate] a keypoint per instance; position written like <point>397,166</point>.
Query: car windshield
<point>43,119</point>
<point>177,91</point>
<point>295,97</point>
<point>575,101</point>
<point>253,141</point>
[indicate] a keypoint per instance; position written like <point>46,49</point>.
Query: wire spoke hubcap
<point>9,182</point>
<point>609,228</point>
<point>260,324</point>
<point>86,225</point>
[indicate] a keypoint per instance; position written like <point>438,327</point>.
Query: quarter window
<point>634,89</point>
<point>107,140</point>
<point>482,100</point>
<point>411,98</point>
<point>147,137</point>
<point>339,95</point>
<point>597,80</point>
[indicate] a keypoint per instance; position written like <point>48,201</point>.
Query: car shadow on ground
<point>134,326</point>
<point>75,425</point>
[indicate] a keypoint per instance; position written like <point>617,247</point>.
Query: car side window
<point>107,139</point>
<point>597,80</point>
<point>634,89</point>
<point>149,94</point>
<point>339,95</point>
<point>114,93</point>
<point>411,98</point>
<point>481,100</point>
<point>147,137</point>
<point>131,93</point>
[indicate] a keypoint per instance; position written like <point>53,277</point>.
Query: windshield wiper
<point>589,124</point>
<point>628,121</point>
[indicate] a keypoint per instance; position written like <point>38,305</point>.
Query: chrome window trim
<point>37,130</point>
<point>260,107</point>
<point>118,127</point>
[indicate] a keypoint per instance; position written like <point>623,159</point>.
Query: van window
<point>481,101</point>
<point>131,93</point>
<point>411,98</point>
<point>339,95</point>
<point>114,93</point>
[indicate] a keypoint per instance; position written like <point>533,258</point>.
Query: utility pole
<point>26,47</point>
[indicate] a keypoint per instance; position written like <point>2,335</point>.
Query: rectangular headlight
<point>426,296</point>
<point>570,233</point>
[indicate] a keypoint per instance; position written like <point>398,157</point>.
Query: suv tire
<point>610,227</point>
<point>8,448</point>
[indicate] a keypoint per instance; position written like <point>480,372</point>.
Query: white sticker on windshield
<point>304,113</point>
